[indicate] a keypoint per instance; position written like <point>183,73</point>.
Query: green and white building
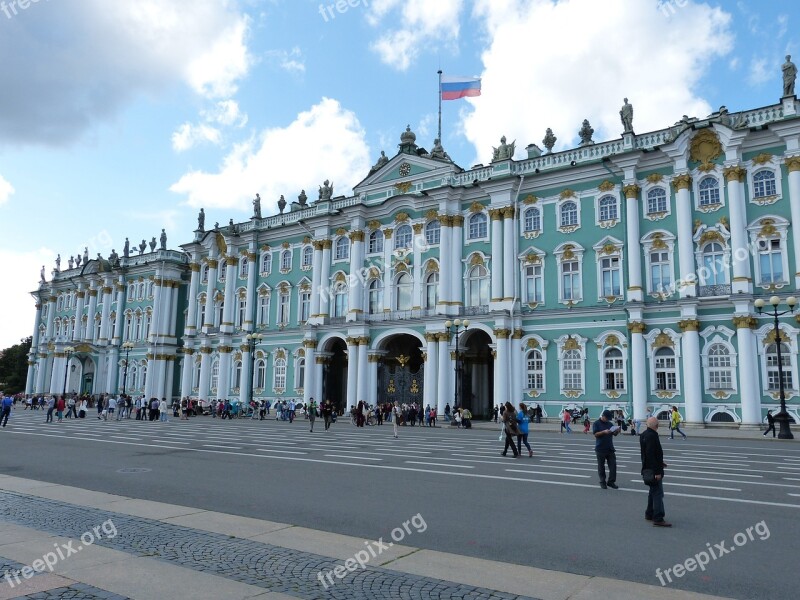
<point>618,275</point>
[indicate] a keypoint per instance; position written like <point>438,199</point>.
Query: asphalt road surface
<point>547,511</point>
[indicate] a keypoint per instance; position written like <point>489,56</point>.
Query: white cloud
<point>288,60</point>
<point>189,135</point>
<point>226,112</point>
<point>108,54</point>
<point>325,142</point>
<point>425,26</point>
<point>6,190</point>
<point>534,77</point>
<point>19,308</point>
<point>759,72</point>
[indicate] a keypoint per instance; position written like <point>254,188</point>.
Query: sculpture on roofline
<point>302,198</point>
<point>163,239</point>
<point>85,254</point>
<point>503,151</point>
<point>626,116</point>
<point>438,152</point>
<point>71,262</point>
<point>257,207</point>
<point>789,76</point>
<point>78,260</point>
<point>382,160</point>
<point>153,244</point>
<point>58,262</point>
<point>41,275</point>
<point>201,220</point>
<point>586,132</point>
<point>142,247</point>
<point>549,140</point>
<point>113,258</point>
<point>281,204</point>
<point>326,190</point>
<point>126,249</point>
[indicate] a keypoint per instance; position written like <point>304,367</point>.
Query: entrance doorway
<point>334,374</point>
<point>401,372</point>
<point>477,374</point>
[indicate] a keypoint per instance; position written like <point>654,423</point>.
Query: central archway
<point>477,374</point>
<point>401,370</point>
<point>334,373</point>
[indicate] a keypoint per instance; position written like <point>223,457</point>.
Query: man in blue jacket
<point>604,431</point>
<point>5,408</point>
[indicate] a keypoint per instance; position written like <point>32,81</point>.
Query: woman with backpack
<point>511,429</point>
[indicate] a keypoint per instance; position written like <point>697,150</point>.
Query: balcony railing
<point>469,311</point>
<point>709,291</point>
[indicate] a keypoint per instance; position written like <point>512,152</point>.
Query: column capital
<point>508,212</point>
<point>363,341</point>
<point>80,294</point>
<point>194,267</point>
<point>792,163</point>
<point>107,289</point>
<point>213,263</point>
<point>225,349</point>
<point>745,322</point>
<point>689,325</point>
<point>443,337</point>
<point>735,173</point>
<point>458,221</point>
<point>231,261</point>
<point>310,344</point>
<point>387,233</point>
<point>431,337</point>
<point>496,214</point>
<point>446,221</point>
<point>518,334</point>
<point>327,244</point>
<point>637,326</point>
<point>682,182</point>
<point>356,236</point>
<point>317,244</point>
<point>502,334</point>
<point>417,227</point>
<point>206,350</point>
<point>352,341</point>
<point>631,191</point>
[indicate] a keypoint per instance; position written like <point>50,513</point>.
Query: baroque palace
<point>618,274</point>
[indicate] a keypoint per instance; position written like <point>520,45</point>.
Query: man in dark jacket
<point>653,458</point>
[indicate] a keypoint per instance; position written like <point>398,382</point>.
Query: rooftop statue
<point>126,249</point>
<point>503,151</point>
<point>586,132</point>
<point>438,151</point>
<point>626,115</point>
<point>281,203</point>
<point>113,258</point>
<point>142,247</point>
<point>71,262</point>
<point>163,239</point>
<point>302,198</point>
<point>789,76</point>
<point>201,220</point>
<point>549,140</point>
<point>257,207</point>
<point>78,260</point>
<point>153,244</point>
<point>58,262</point>
<point>382,160</point>
<point>326,190</point>
<point>41,275</point>
<point>85,254</point>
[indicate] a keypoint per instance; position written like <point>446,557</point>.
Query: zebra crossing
<point>751,472</point>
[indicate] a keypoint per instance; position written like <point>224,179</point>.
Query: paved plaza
<point>268,506</point>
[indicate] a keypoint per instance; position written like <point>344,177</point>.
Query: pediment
<point>406,167</point>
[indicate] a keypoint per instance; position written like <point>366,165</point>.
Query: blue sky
<point>118,119</point>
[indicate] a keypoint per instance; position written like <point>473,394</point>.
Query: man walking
<point>653,460</point>
<point>771,421</point>
<point>604,431</point>
<point>5,408</point>
<point>395,417</point>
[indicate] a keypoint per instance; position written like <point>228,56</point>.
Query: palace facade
<point>619,275</point>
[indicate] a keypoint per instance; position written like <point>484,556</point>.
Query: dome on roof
<point>408,136</point>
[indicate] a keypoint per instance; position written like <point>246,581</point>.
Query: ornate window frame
<point>298,365</point>
<point>712,336</point>
<point>569,251</point>
<point>560,205</point>
<point>433,225</point>
<point>567,343</point>
<point>765,336</point>
<point>263,298</point>
<point>376,238</point>
<point>760,163</point>
<point>647,188</point>
<point>531,257</point>
<point>284,289</point>
<point>534,232</point>
<point>341,249</point>
<point>609,248</point>
<point>698,178</point>
<point>477,259</point>
<point>610,194</point>
<point>766,228</point>
<point>469,239</point>
<point>612,340</point>
<point>287,259</point>
<point>703,237</point>
<point>661,338</point>
<point>265,263</point>
<point>306,252</point>
<point>534,343</point>
<point>660,240</point>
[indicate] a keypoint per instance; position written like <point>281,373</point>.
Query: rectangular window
<point>534,284</point>
<point>611,276</point>
<point>283,309</point>
<point>263,311</point>
<point>571,280</point>
<point>660,272</point>
<point>305,306</point>
<point>770,261</point>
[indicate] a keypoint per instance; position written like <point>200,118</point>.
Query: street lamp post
<point>252,341</point>
<point>127,346</point>
<point>68,352</point>
<point>456,327</point>
<point>782,417</point>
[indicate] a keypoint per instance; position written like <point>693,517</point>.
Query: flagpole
<point>440,106</point>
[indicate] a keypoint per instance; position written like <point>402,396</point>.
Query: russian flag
<point>454,87</point>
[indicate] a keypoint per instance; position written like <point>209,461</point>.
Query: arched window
<point>305,306</point>
<point>764,184</point>
<point>431,290</point>
<point>201,312</point>
<point>266,263</point>
<point>535,370</point>
<point>237,374</point>
<point>433,232</point>
<point>666,374</point>
<point>244,265</point>
<point>280,374</point>
<point>203,276</point>
<point>608,208</point>
<point>220,310</point>
<point>260,375</point>
<point>568,214</point>
<point>340,304</point>
<point>128,326</point>
<point>571,370</point>
<point>773,377</point>
<point>613,370</point>
<point>375,242</point>
<point>215,375</point>
<point>656,201</point>
<point>286,260</point>
<point>533,219</point>
<point>300,374</point>
<point>375,297</point>
<point>713,271</point>
<point>403,289</point>
<point>241,311</point>
<point>137,326</point>
<point>308,256</point>
<point>342,248</point>
<point>263,310</point>
<point>148,321</point>
<point>196,376</point>
<point>403,237</point>
<point>720,372</point>
<point>60,303</point>
<point>283,307</point>
<point>478,286</point>
<point>709,191</point>
<point>131,382</point>
<point>142,376</point>
<point>478,227</point>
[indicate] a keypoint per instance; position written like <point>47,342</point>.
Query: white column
<point>113,370</point>
<point>31,380</point>
<point>170,379</point>
<point>252,298</point>
<point>316,280</point>
<point>445,268</point>
<point>325,279</point>
<point>747,366</point>
<point>735,177</point>
<point>638,370</point>
<point>190,327</point>
<point>431,381</point>
<point>121,287</point>
<point>318,370</point>
<point>211,289</point>
<point>171,328</point>
<point>89,333</point>
<point>310,358</point>
<point>57,373</point>
<point>509,259</point>
<point>356,281</point>
<point>387,270</point>
<point>105,319</point>
<point>230,299</point>
<point>51,315</point>
<point>41,373</point>
<point>158,313</point>
<point>516,366</point>
<point>793,166</point>
<point>496,216</point>
<point>692,379</point>
<point>501,375</point>
<point>683,200</point>
<point>634,249</point>
<point>456,250</point>
<point>445,372</point>
<point>352,372</point>
<point>362,387</point>
<point>187,370</point>
<point>205,373</point>
<point>224,389</point>
<point>29,377</point>
<point>372,365</point>
<point>417,301</point>
<point>247,383</point>
<point>79,305</point>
